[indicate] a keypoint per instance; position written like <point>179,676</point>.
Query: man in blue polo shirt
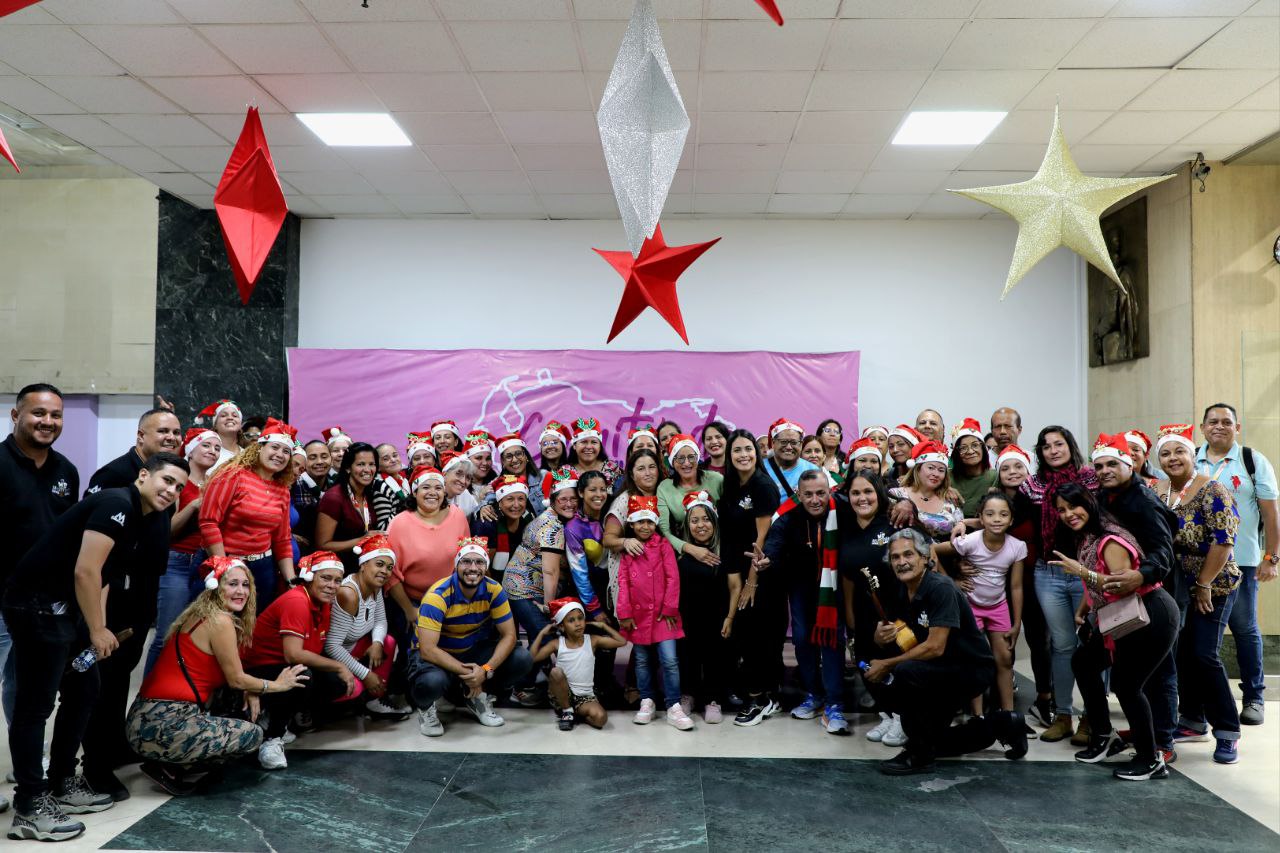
<point>1224,460</point>
<point>785,466</point>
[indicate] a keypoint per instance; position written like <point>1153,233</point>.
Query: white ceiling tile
<point>52,50</point>
<point>1245,43</point>
<point>806,203</point>
<point>505,205</point>
<point>89,131</point>
<point>204,158</point>
<point>280,128</point>
<point>1178,8</point>
<point>880,45</point>
<point>929,158</point>
<point>214,94</point>
<point>559,157</point>
<point>841,158</point>
<point>1201,89</point>
<point>1043,8</point>
<point>300,205</point>
<point>137,159</point>
<point>1263,8</point>
<point>754,90</point>
<point>996,157</point>
<point>1141,42</point>
<point>547,90</point>
<point>276,48</point>
<point>763,46</point>
<point>865,126</point>
<point>30,16</point>
<point>729,182</point>
<point>115,12</point>
<point>1266,98</point>
<point>746,126</point>
<point>571,183</point>
<point>907,8</point>
<point>792,10</point>
<point>408,183</point>
<point>328,182</point>
<point>950,206</point>
<point>239,11</point>
<point>548,127</point>
<point>1020,44</point>
<point>740,157</point>
<point>620,10</point>
<point>422,203</point>
<point>518,45</point>
<point>683,182</point>
<point>396,47</point>
<point>159,130</point>
<point>178,183</point>
<point>964,180</point>
<point>327,11</point>
<point>502,10</point>
<point>107,95</point>
<point>393,159</point>
<point>489,183</point>
<point>450,128</point>
<point>1113,158</point>
<point>976,90</point>
<point>601,40</point>
<point>677,204</point>
<point>30,97</point>
<point>1034,126</point>
<point>580,206</point>
<point>887,206</point>
<point>1090,89</point>
<point>1140,127</point>
<point>818,182</point>
<point>865,90</point>
<point>730,204</point>
<point>303,158</point>
<point>321,93</point>
<point>355,205</point>
<point>897,183</point>
<point>1242,128</point>
<point>449,92</point>
<point>158,51</point>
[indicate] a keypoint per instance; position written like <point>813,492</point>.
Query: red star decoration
<point>651,280</point>
<point>7,153</point>
<point>772,8</point>
<point>8,7</point>
<point>250,204</point>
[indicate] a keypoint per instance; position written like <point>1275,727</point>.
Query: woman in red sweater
<point>170,724</point>
<point>245,509</point>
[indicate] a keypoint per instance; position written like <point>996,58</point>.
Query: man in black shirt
<point>308,489</point>
<point>53,605</point>
<point>131,604</point>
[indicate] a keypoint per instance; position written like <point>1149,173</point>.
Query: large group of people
<point>291,584</point>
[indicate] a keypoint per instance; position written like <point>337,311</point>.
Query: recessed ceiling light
<point>355,129</point>
<point>947,128</point>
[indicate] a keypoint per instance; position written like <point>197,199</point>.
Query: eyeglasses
<point>831,430</point>
<point>685,459</point>
<point>787,442</point>
<point>471,563</point>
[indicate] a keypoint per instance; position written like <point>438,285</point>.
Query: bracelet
<point>1204,586</point>
<point>264,685</point>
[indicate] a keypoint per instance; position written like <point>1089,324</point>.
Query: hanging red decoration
<point>651,280</point>
<point>772,8</point>
<point>7,153</point>
<point>8,7</point>
<point>250,205</point>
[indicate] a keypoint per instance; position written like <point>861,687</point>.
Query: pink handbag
<point>1122,617</point>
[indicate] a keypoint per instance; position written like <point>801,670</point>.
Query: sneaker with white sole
<point>808,709</point>
<point>44,821</point>
<point>379,708</point>
<point>288,737</point>
<point>770,708</point>
<point>271,754</point>
<point>645,715</point>
<point>834,721</point>
<point>429,722</point>
<point>877,734</point>
<point>677,717</point>
<point>711,713</point>
<point>894,736</point>
<point>76,796</point>
<point>481,707</point>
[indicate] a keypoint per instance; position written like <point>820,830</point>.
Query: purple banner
<point>379,395</point>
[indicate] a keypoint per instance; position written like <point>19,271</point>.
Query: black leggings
<point>1136,657</point>
<point>761,630</point>
<point>316,696</point>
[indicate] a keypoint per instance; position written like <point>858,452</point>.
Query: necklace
<point>1181,494</point>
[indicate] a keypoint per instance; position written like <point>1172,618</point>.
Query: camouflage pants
<point>180,733</point>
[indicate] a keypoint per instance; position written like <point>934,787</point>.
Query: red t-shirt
<point>296,613</point>
<point>246,515</point>
<point>192,542</point>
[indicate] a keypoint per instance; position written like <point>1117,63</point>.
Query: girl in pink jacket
<point>649,610</point>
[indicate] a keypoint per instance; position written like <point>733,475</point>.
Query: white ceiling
<point>499,95</point>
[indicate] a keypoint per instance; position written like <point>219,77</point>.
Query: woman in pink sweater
<point>649,609</point>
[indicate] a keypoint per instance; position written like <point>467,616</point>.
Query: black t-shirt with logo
<point>152,553</point>
<point>939,603</point>
<point>32,498</point>
<point>865,547</point>
<point>739,507</point>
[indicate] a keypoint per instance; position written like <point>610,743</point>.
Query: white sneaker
<point>894,736</point>
<point>771,708</point>
<point>482,708</point>
<point>288,737</point>
<point>645,715</point>
<point>429,722</point>
<point>876,735</point>
<point>271,754</point>
<point>677,717</point>
<point>383,709</point>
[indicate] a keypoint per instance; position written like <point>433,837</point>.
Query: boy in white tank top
<point>571,680</point>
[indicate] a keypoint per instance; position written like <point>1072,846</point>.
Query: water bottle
<point>862,665</point>
<point>89,656</point>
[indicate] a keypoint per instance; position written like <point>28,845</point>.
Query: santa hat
<point>419,441</point>
<point>212,410</point>
<point>699,498</point>
<point>1180,433</point>
<point>451,460</point>
<point>871,430</point>
<point>646,430</point>
<point>968,426</point>
<point>298,449</point>
<point>511,441</point>
<point>865,447</point>
<point>558,431</point>
<point>195,436</point>
<point>783,424</point>
<point>678,442</point>
<point>446,425</point>
<point>278,431</point>
<point>472,545</point>
<point>907,434</point>
<point>509,485</point>
<point>642,508</point>
<point>586,428</point>
<point>317,561</point>
<point>558,480</point>
<point>216,567</point>
<point>424,474</point>
<point>1137,436</point>
<point>477,445</point>
<point>928,451</point>
<point>562,607</point>
<point>373,546</point>
<point>1013,451</point>
<point>1114,446</point>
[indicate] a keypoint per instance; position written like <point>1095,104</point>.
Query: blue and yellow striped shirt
<point>462,623</point>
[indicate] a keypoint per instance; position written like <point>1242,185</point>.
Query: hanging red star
<point>250,205</point>
<point>651,280</point>
<point>772,8</point>
<point>8,7</point>
<point>7,153</point>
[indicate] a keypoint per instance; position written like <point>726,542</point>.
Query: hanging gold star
<point>1060,206</point>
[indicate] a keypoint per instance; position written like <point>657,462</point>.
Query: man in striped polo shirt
<point>466,642</point>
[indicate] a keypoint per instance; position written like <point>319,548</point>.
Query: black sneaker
<point>750,715</point>
<point>43,820</point>
<point>1142,769</point>
<point>107,783</point>
<point>76,796</point>
<point>906,764</point>
<point>1012,732</point>
<point>168,778</point>
<point>566,720</point>
<point>1041,711</point>
<point>1100,748</point>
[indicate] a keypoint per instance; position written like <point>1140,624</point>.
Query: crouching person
<point>465,642</point>
<point>571,680</point>
<point>174,723</point>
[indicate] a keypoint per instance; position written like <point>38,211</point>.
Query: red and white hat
<point>1013,451</point>
<point>332,434</point>
<point>1113,446</point>
<point>446,425</point>
<point>216,567</point>
<point>1137,436</point>
<point>586,428</point>
<point>562,607</point>
<point>909,434</point>
<point>472,545</point>
<point>968,426</point>
<point>450,460</point>
<point>196,436</point>
<point>279,432</point>
<point>373,546</point>
<point>646,430</point>
<point>678,442</point>
<point>298,449</point>
<point>419,441</point>
<point>558,431</point>
<point>509,485</point>
<point>558,480</point>
<point>318,561</point>
<point>642,508</point>
<point>511,441</point>
<point>212,411</point>
<point>424,474</point>
<point>1179,433</point>
<point>869,431</point>
<point>783,424</point>
<point>476,446</point>
<point>928,451</point>
<point>865,447</point>
<point>699,497</point>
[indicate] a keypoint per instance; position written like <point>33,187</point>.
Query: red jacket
<point>649,588</point>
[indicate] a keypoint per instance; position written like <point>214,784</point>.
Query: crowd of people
<point>291,584</point>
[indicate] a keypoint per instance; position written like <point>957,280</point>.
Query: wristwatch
<point>1273,559</point>
<point>488,670</point>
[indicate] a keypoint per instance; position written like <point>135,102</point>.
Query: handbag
<point>1123,616</point>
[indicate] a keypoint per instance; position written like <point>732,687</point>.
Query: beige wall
<point>78,284</point>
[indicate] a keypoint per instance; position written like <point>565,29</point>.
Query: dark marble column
<point>208,345</point>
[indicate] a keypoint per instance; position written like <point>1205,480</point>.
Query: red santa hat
<point>509,485</point>
<point>298,449</point>
<point>871,430</point>
<point>558,431</point>
<point>446,425</point>
<point>1178,433</point>
<point>510,441</point>
<point>909,434</point>
<point>212,411</point>
<point>278,431</point>
<point>1013,451</point>
<point>562,607</point>
<point>968,426</point>
<point>586,428</point>
<point>472,545</point>
<point>558,480</point>
<point>450,460</point>
<point>698,497</point>
<point>783,424</point>
<point>679,442</point>
<point>373,546</point>
<point>215,567</point>
<point>317,561</point>
<point>928,451</point>
<point>195,436</point>
<point>646,430</point>
<point>642,508</point>
<point>1137,436</point>
<point>477,444</point>
<point>332,434</point>
<point>1113,446</point>
<point>424,474</point>
<point>865,447</point>
<point>418,441</point>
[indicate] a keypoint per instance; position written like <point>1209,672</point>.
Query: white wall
<point>920,299</point>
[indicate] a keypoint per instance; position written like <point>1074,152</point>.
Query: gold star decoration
<point>1060,206</point>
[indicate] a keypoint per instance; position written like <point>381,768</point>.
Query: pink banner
<point>379,395</point>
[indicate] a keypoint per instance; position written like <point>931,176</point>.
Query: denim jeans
<point>829,687</point>
<point>428,682</point>
<point>265,577</point>
<point>8,681</point>
<point>1243,623</point>
<point>670,670</point>
<point>179,586</point>
<point>1204,692</point>
<point>531,618</point>
<point>1059,595</point>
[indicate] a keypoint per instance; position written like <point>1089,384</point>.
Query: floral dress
<point>937,525</point>
<point>1209,518</point>
<point>523,577</point>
